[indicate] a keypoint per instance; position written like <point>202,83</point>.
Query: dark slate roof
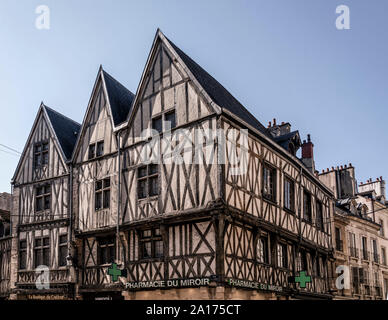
<point>285,139</point>
<point>120,99</point>
<point>66,130</point>
<point>218,93</point>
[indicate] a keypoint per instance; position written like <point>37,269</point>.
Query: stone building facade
<point>359,238</point>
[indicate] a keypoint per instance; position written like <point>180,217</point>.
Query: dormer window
<point>41,154</point>
<point>96,150</point>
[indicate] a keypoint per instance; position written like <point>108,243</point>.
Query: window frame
<point>282,255</point>
<point>42,196</point>
<point>262,249</point>
<point>273,175</point>
<point>162,117</point>
<point>108,244</point>
<point>154,239</point>
<point>147,178</point>
<point>291,195</point>
<point>101,193</point>
<point>95,154</point>
<point>305,216</point>
<point>22,255</point>
<point>44,250</point>
<point>62,245</point>
<point>319,219</point>
<point>41,154</point>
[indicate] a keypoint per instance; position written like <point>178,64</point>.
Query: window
<point>42,198</point>
<point>355,280</point>
<point>353,245</point>
<point>282,255</point>
<point>42,252</point>
<point>5,229</point>
<point>382,233</point>
<point>22,254</point>
<point>106,250</point>
<point>317,266</point>
<point>92,151</point>
<point>307,206</point>
<point>62,252</point>
<point>364,248</point>
<point>151,244</point>
<point>100,149</point>
<point>383,256</point>
<point>338,239</point>
<point>319,216</point>
<point>157,124</point>
<point>289,197</point>
<point>269,177</point>
<point>147,181</point>
<point>262,250</point>
<point>41,154</point>
<point>375,253</point>
<point>102,194</point>
<point>96,150</point>
<point>170,120</point>
<point>303,266</point>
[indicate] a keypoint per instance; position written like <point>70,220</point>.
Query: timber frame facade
<point>176,230</point>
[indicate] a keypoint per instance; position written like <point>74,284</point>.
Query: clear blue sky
<point>281,59</point>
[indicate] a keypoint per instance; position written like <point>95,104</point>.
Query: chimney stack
<point>308,154</point>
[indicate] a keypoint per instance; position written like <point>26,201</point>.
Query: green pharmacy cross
<point>114,272</point>
<point>302,279</point>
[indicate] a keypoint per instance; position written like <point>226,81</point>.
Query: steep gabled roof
<point>120,98</point>
<point>65,129</point>
<point>217,92</point>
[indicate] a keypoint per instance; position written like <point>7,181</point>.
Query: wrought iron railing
<point>353,252</point>
<point>339,245</point>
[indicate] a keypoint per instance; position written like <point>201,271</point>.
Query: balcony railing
<point>339,245</point>
<point>365,254</point>
<point>353,252</point>
<point>376,257</point>
<point>55,277</point>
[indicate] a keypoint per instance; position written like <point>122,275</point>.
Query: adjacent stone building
<point>359,237</point>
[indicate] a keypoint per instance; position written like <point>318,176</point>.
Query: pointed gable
<point>65,129</point>
<point>120,99</point>
<point>43,132</point>
<point>108,107</point>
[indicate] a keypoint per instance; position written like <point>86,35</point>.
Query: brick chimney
<point>308,154</point>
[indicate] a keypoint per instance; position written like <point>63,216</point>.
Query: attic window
<point>41,154</point>
<point>96,150</point>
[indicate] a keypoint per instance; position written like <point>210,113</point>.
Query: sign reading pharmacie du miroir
<point>198,282</point>
<point>253,285</point>
<point>179,283</point>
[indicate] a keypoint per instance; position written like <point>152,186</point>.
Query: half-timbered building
<point>176,192</point>
<point>42,210</point>
<point>213,227</point>
<point>95,185</point>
